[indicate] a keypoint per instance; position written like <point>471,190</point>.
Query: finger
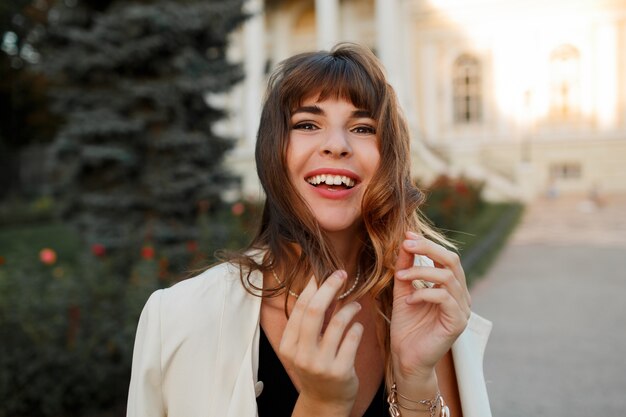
<point>405,259</point>
<point>337,327</point>
<point>439,276</point>
<point>453,319</point>
<point>452,263</point>
<point>417,244</point>
<point>313,314</point>
<point>292,329</point>
<point>444,300</point>
<point>346,354</point>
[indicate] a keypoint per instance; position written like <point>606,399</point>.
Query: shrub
<point>14,211</point>
<point>452,202</point>
<point>67,334</point>
<point>68,321</point>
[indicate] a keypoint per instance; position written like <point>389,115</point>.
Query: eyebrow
<point>356,114</point>
<point>309,109</point>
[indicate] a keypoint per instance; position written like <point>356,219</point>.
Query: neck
<point>346,245</point>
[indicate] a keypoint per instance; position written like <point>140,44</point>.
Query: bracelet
<point>394,405</point>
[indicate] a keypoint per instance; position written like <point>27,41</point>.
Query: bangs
<point>332,76</point>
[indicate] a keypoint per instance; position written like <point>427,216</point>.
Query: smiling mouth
<point>332,182</point>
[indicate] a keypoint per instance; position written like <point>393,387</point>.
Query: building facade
<point>529,97</point>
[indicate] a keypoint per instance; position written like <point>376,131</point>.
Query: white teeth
<point>331,180</point>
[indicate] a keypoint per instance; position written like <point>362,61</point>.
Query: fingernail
<point>410,243</point>
<point>358,306</point>
<point>413,235</point>
<point>401,274</point>
<point>341,275</point>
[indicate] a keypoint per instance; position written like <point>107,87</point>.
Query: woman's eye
<point>364,130</point>
<point>304,126</point>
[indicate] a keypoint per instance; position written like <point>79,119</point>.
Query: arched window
<point>564,80</point>
<point>467,90</point>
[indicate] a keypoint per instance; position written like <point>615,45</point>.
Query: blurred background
<point>127,133</point>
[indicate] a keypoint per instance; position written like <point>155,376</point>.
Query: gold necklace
<point>341,296</point>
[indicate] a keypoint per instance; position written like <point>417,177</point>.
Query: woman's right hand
<point>323,362</point>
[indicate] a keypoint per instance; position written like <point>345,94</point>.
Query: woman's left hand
<point>426,321</point>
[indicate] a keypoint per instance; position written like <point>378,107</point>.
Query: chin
<point>351,226</point>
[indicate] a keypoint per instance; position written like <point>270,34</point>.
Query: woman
<point>336,309</point>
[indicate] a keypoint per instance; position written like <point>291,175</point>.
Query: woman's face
<point>332,156</point>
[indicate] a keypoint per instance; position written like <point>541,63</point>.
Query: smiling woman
<point>321,314</point>
<point>333,140</point>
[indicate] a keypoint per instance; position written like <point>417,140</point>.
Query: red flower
<point>47,256</point>
<point>98,250</point>
<point>238,209</point>
<point>192,246</point>
<point>147,252</point>
<point>2,260</point>
<point>461,187</point>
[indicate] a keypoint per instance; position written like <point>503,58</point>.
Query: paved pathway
<point>557,297</point>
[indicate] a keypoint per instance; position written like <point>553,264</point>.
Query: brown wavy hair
<point>294,244</point>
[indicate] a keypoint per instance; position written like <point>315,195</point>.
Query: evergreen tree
<point>137,154</point>
<point>24,114</point>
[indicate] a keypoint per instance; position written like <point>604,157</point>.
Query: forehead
<point>335,80</point>
<point>317,105</point>
<point>317,99</point>
<point>336,96</point>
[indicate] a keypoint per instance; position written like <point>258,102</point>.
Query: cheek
<point>291,158</point>
<point>299,151</point>
<point>374,159</point>
<point>295,165</point>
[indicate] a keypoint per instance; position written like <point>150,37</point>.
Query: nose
<point>336,144</point>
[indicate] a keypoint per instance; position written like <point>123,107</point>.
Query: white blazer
<point>197,349</point>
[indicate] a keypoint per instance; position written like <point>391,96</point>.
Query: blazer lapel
<point>467,353</point>
<point>239,349</point>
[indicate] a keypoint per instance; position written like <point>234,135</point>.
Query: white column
<point>254,68</point>
<point>606,70</point>
<point>386,34</point>
<point>280,29</point>
<point>429,79</point>
<point>406,64</point>
<point>327,23</point>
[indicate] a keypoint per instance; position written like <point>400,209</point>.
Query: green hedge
<point>485,235</point>
<point>68,314</point>
<point>479,229</point>
<point>67,333</point>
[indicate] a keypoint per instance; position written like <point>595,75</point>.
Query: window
<point>467,90</point>
<point>564,80</point>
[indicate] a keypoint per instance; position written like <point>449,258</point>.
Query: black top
<point>279,395</point>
